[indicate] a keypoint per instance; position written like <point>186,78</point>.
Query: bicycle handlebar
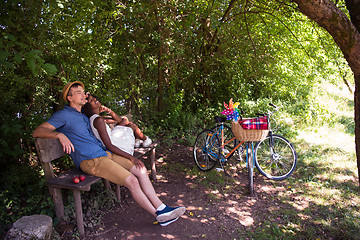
<point>221,119</point>
<point>273,105</point>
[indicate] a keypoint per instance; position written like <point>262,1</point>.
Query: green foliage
<point>23,192</point>
<point>170,64</point>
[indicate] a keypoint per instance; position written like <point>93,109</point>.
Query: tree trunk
<point>347,37</point>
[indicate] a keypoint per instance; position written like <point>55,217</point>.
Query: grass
<point>326,176</point>
<point>321,199</point>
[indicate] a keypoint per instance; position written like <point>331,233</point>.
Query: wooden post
<point>58,202</point>
<point>118,193</point>
<point>107,184</point>
<point>153,165</point>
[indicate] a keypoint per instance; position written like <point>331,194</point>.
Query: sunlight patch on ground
<point>271,190</point>
<point>345,178</point>
<point>242,214</point>
<point>168,236</point>
<point>328,137</point>
<point>303,216</point>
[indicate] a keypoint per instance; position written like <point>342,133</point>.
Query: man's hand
<point>68,147</point>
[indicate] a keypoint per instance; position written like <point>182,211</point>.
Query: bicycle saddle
<point>220,119</point>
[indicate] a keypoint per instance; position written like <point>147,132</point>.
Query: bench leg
<point>107,184</point>
<point>153,164</point>
<point>118,193</point>
<point>78,212</point>
<point>58,202</point>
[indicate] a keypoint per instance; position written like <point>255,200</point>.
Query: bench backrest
<point>48,149</point>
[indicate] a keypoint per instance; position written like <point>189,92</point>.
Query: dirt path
<point>223,212</point>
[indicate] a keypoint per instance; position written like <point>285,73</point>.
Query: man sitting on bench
<point>73,130</point>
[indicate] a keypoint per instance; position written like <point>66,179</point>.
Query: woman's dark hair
<point>87,109</point>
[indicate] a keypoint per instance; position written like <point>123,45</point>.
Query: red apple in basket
<point>76,180</point>
<point>82,178</point>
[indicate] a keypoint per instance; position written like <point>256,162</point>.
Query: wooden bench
<point>49,150</point>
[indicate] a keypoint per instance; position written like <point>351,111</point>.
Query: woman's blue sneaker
<point>169,213</point>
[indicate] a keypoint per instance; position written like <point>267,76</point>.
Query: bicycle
<point>274,156</point>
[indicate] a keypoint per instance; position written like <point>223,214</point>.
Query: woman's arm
<point>122,121</point>
<point>99,124</point>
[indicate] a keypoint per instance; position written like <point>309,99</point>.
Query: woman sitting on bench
<point>124,133</point>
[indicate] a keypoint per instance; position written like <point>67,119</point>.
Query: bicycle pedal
<point>225,151</point>
<point>240,159</point>
<point>219,169</point>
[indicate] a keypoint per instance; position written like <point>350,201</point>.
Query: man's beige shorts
<point>112,167</point>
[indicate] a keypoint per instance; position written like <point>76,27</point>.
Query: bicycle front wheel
<point>206,150</point>
<point>275,157</point>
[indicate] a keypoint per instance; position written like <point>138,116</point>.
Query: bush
<point>23,192</point>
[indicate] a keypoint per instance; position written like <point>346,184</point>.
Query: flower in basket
<point>231,111</point>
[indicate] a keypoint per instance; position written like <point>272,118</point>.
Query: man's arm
<point>46,130</point>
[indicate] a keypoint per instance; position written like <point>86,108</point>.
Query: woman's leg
<point>146,185</point>
<point>137,132</point>
<point>116,169</point>
<point>138,195</point>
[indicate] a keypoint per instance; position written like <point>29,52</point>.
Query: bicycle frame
<point>210,147</point>
<point>228,155</point>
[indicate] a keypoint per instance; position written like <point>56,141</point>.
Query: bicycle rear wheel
<point>206,150</point>
<point>275,157</point>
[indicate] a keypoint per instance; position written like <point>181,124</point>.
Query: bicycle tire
<point>277,162</point>
<point>206,150</point>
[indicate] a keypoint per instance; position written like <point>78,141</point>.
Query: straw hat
<point>67,87</point>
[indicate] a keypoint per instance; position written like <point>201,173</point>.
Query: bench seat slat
<point>140,151</point>
<point>65,180</point>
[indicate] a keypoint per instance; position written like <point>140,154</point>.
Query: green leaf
<point>50,68</point>
<point>7,64</point>
<point>31,65</point>
<point>4,54</point>
<point>10,37</point>
<point>33,53</point>
<point>18,57</point>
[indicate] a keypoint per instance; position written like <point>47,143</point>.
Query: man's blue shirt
<point>76,127</point>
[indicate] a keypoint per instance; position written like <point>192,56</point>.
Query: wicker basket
<point>248,135</point>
